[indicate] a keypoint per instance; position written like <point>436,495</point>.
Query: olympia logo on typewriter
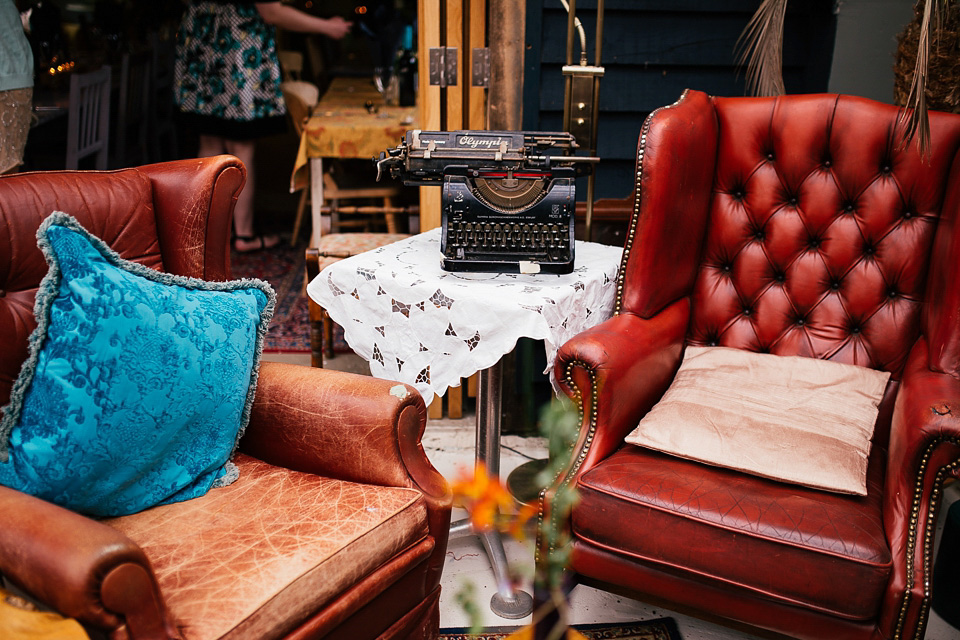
<point>474,142</point>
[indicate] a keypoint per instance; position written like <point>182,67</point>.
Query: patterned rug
<point>284,267</point>
<point>658,629</point>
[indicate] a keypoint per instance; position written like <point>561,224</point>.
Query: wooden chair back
<point>88,121</point>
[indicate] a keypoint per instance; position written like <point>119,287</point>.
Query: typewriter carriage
<point>508,196</point>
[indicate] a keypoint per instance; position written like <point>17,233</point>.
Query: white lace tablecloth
<point>415,323</point>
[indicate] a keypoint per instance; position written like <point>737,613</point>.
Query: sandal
<point>262,242</point>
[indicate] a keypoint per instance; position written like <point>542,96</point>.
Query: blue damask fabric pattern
<point>138,385</point>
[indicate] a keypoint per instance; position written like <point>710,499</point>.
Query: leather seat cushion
<point>802,546</point>
<point>252,559</point>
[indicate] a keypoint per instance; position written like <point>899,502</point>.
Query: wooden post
<point>453,39</point>
<point>460,24</point>
<point>507,33</point>
<point>428,98</point>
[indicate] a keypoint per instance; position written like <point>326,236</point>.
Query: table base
<point>507,602</point>
<point>521,483</point>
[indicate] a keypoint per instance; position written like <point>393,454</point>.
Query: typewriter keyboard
<point>539,241</point>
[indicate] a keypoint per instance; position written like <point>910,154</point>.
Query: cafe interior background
<point>652,52</point>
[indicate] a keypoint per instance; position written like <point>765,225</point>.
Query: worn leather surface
<point>925,437</point>
<point>176,216</point>
<point>815,235</point>
<point>820,230</point>
<point>700,519</point>
<point>148,215</point>
<point>59,557</point>
<point>253,559</point>
<point>356,613</point>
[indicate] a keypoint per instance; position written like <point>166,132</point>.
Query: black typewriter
<point>508,196</point>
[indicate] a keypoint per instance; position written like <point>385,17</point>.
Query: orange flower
<point>519,521</point>
<point>485,499</point>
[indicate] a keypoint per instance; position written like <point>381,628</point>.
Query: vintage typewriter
<point>508,196</point>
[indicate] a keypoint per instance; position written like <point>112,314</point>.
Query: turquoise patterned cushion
<point>138,384</point>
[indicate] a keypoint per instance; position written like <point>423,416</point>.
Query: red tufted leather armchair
<point>794,226</point>
<point>337,527</point>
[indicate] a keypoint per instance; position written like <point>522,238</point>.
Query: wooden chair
<point>133,110</point>
<point>291,65</point>
<point>88,122</point>
<point>340,185</point>
<point>301,97</point>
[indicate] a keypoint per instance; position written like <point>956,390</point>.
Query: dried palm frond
<point>943,65</point>
<point>761,49</point>
<point>914,119</point>
<point>933,77</point>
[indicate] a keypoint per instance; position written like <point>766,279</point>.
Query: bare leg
<point>243,213</point>
<point>211,146</point>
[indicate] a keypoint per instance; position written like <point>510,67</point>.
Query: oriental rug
<point>658,629</point>
<point>284,267</point>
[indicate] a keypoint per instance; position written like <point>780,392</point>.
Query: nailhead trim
<point>628,243</point>
<point>592,429</point>
<point>584,449</point>
<point>935,497</point>
<point>932,512</point>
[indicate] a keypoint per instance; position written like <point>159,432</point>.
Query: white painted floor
<point>450,446</point>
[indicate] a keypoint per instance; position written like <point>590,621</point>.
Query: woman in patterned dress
<point>228,83</point>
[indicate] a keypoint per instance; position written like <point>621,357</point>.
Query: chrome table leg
<point>507,602</point>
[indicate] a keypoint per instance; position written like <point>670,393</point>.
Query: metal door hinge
<point>443,66</point>
<point>480,72</point>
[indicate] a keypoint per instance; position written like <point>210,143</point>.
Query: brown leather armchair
<point>337,527</point>
<point>794,226</point>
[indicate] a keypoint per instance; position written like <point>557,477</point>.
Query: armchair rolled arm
<point>615,372</point>
<point>193,201</point>
<point>341,425</point>
<point>924,450</point>
<point>79,567</point>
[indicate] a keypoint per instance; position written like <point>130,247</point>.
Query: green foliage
<point>466,597</point>
<point>560,424</point>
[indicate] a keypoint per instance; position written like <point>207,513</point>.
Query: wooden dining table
<point>351,120</point>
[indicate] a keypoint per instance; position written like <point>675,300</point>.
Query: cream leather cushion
<point>794,419</point>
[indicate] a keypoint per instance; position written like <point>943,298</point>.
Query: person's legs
<point>211,146</point>
<point>246,238</point>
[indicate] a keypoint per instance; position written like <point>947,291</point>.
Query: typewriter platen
<point>508,196</point>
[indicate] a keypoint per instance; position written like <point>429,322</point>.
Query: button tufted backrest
<point>819,229</point>
<point>171,216</point>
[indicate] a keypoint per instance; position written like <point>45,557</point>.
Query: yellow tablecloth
<point>343,127</point>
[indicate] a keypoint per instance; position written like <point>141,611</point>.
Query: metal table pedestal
<point>507,602</point>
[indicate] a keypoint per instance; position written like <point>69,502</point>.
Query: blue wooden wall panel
<point>652,51</point>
